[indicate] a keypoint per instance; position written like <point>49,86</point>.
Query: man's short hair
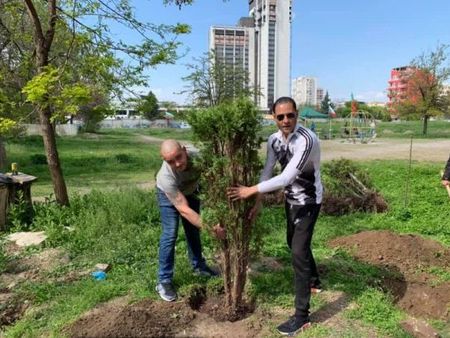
<point>284,99</point>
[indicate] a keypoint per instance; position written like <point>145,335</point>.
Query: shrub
<point>124,158</point>
<point>229,156</point>
<point>38,159</point>
<point>349,188</point>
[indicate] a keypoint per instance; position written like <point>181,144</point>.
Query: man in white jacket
<point>297,150</point>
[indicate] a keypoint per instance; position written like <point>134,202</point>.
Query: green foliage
<point>3,256</point>
<point>50,89</point>
<point>424,87</point>
<point>212,81</point>
<point>148,106</point>
<point>124,158</point>
<point>20,213</point>
<point>6,125</point>
<point>337,179</point>
<point>229,144</point>
<point>325,103</point>
<point>38,159</point>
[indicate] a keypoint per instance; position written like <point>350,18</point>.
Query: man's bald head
<point>169,146</point>
<point>174,154</point>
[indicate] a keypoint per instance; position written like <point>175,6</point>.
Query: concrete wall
<point>61,129</point>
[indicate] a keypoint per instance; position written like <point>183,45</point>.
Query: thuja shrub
<point>227,136</point>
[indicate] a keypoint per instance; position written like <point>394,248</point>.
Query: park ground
<point>383,274</point>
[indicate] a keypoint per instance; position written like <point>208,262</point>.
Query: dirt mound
<point>144,319</point>
<point>150,318</point>
<point>337,206</point>
<point>411,262</point>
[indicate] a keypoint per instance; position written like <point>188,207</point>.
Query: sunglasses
<point>290,116</point>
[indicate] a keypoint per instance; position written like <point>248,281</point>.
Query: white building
<point>273,48</point>
<point>304,90</point>
<point>233,46</point>
<point>262,44</point>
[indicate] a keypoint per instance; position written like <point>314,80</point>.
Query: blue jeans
<point>170,221</point>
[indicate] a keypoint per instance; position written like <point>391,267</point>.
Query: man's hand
<point>445,183</point>
<point>219,232</point>
<point>241,192</point>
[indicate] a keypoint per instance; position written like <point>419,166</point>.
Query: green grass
<point>104,160</point>
<point>120,226</point>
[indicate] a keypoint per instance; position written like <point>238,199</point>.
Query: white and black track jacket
<point>299,157</point>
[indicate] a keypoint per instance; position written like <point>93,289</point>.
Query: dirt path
<point>434,150</point>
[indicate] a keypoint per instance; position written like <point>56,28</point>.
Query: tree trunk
<point>425,125</point>
<point>54,166</point>
<point>2,156</point>
<point>43,43</point>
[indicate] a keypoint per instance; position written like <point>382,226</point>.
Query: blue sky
<point>348,45</point>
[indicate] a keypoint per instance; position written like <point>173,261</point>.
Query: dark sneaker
<point>166,291</point>
<point>206,271</point>
<point>293,326</point>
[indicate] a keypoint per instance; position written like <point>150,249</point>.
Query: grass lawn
<point>120,226</point>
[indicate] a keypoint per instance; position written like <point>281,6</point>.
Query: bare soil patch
<point>149,318</point>
<point>411,260</point>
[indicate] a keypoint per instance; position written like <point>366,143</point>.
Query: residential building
<point>304,90</point>
<point>273,48</point>
<point>233,46</point>
<point>398,87</point>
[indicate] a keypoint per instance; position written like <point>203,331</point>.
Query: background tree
<point>213,82</point>
<point>147,106</point>
<point>60,33</point>
<point>229,143</point>
<point>94,111</point>
<point>379,113</point>
<point>424,97</point>
<point>324,104</point>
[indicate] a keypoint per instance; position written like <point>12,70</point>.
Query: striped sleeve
<point>293,168</point>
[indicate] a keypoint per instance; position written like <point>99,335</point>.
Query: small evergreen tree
<point>229,143</point>
<point>324,104</point>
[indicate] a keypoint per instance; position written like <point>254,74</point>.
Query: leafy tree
<point>424,96</point>
<point>94,111</point>
<point>68,56</point>
<point>213,82</point>
<point>147,105</point>
<point>229,142</point>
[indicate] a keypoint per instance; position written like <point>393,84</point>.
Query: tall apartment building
<point>304,90</point>
<point>232,46</point>
<point>262,42</point>
<point>273,48</point>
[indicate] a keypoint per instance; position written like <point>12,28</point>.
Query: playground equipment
<point>359,126</point>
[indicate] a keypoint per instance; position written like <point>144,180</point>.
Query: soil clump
<point>414,267</point>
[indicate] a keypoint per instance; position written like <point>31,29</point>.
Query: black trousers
<point>300,227</point>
